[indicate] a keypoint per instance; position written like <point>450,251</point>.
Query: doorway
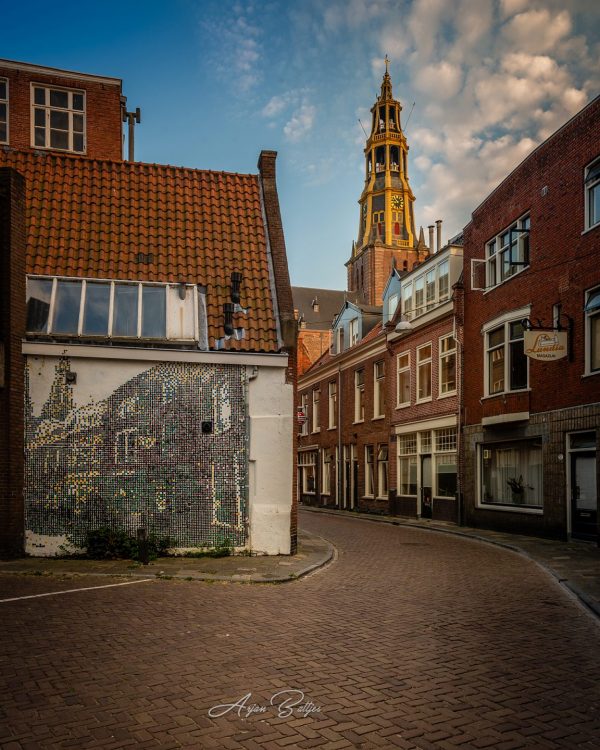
<point>426,488</point>
<point>584,496</point>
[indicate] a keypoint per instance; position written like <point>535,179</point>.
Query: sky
<point>481,82</point>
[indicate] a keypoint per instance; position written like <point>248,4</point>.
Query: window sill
<point>590,374</point>
<point>591,229</point>
<point>446,395</point>
<point>424,400</point>
<point>403,406</point>
<point>316,432</point>
<point>505,393</point>
<point>376,419</point>
<point>510,508</point>
<point>330,429</point>
<point>358,421</point>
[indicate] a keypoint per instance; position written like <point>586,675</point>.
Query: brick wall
<point>563,264</point>
<point>103,110</point>
<point>311,345</point>
<point>12,330</point>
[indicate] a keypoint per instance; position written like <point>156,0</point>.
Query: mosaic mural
<point>167,450</point>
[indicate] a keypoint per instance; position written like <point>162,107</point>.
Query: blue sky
<point>217,81</point>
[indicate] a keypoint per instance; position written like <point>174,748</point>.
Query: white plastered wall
<point>270,501</point>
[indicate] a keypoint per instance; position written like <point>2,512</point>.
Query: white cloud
<point>300,123</point>
<point>440,80</point>
<point>538,30</point>
<point>274,106</point>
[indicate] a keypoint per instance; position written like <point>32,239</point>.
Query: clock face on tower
<point>398,201</point>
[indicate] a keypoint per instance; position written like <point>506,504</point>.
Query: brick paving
<point>409,639</point>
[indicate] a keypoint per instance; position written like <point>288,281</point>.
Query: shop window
<point>407,464</point>
<point>445,462</point>
<point>511,473</point>
<point>307,470</point>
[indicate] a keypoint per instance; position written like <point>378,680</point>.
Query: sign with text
<point>545,345</point>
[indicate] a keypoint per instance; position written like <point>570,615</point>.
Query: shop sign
<point>545,345</point>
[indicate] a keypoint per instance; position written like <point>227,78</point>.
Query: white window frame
<point>421,364</point>
<point>316,401</point>
<point>383,475</point>
<point>304,406</point>
<point>340,339</point>
<point>504,321</point>
<point>111,304</point>
<point>353,331</point>
<point>392,304</point>
<point>6,102</point>
<point>589,316</point>
<point>326,461</point>
<point>307,460</point>
<point>400,370</point>
<point>445,355</point>
<point>379,389</point>
<point>407,299</point>
<point>359,395</point>
<point>370,471</point>
<point>589,190</point>
<point>332,410</point>
<point>48,108</point>
<point>410,458</point>
<point>502,244</point>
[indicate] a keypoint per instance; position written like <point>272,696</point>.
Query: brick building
<point>531,394</point>
<point>157,369</point>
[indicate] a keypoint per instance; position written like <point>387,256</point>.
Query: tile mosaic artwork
<point>167,451</point>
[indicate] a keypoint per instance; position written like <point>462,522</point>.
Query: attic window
<point>58,119</point>
<point>133,310</point>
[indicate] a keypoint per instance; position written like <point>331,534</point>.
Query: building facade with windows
<point>157,369</point>
<point>531,337</point>
<point>424,389</point>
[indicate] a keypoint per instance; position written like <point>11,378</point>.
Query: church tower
<point>386,230</point>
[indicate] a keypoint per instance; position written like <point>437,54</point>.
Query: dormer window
<point>58,119</point>
<point>353,331</point>
<point>112,309</point>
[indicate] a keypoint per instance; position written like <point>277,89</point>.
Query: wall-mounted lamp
<point>403,325</point>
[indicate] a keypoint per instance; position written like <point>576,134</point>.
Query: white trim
<point>419,364</point>
<point>510,316</point>
<point>445,355</point>
<point>435,423</point>
<point>586,193</point>
<point>71,74</point>
<point>587,324</point>
<point>48,109</point>
<point>517,416</point>
<point>154,355</point>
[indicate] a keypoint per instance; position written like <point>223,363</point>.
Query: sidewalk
<point>576,565</point>
<point>313,552</point>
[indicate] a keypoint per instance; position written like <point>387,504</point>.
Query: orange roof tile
<point>91,218</point>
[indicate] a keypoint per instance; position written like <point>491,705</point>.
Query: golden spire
<point>386,86</point>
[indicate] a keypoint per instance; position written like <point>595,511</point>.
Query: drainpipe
<point>340,481</point>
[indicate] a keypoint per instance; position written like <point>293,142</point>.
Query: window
<point>424,373</point>
<point>332,404</point>
<point>592,194</point>
<point>369,471</point>
<point>508,253</point>
<point>58,119</point>
<point>85,307</point>
<point>407,464</point>
<point>382,471</point>
<point>507,368</point>
<point>340,340</point>
<point>353,331</point>
<point>592,326</point>
<point>304,406</point>
<point>445,462</point>
<point>430,289</point>
<point>392,305</point>
<point>403,392</point>
<point>419,307</point>
<point>511,473</point>
<point>3,110</point>
<point>447,365</point>
<point>378,389</point>
<point>443,281</point>
<point>307,461</point>
<point>407,299</point>
<point>359,395</point>
<point>316,396</point>
<point>326,473</point>
<point>125,444</point>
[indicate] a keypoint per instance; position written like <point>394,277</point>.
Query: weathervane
<point>387,62</point>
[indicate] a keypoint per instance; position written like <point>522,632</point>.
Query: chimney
<point>430,227</point>
<point>438,224</point>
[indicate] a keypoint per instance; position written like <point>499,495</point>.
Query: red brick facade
<point>103,119</point>
<point>12,332</point>
<point>562,268</point>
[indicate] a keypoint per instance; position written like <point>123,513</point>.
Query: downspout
<point>340,482</point>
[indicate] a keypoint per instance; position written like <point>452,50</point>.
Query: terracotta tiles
<point>92,218</point>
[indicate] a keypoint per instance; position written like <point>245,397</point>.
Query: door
<point>426,488</point>
<point>354,482</point>
<point>584,495</point>
<point>347,483</point>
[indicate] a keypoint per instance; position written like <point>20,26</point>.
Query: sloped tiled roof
<point>92,218</point>
<point>330,302</point>
<point>327,356</point>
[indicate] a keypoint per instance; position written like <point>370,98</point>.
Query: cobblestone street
<point>409,639</point>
